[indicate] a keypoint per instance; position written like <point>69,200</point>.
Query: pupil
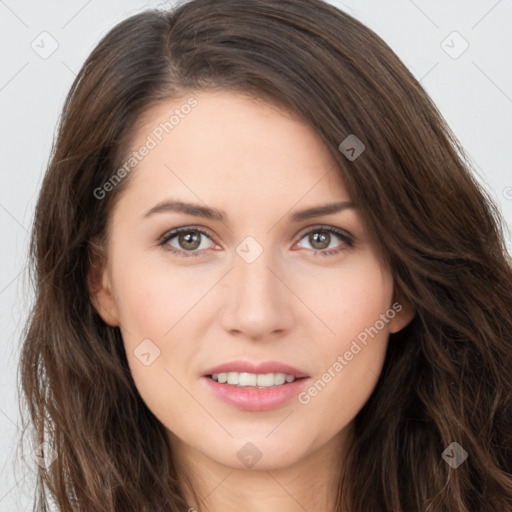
<point>319,237</point>
<point>189,240</point>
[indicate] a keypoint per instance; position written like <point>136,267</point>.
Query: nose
<point>259,304</point>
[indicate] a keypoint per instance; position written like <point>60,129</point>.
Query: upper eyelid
<point>306,230</point>
<point>176,231</point>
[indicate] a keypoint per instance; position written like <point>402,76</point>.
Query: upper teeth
<point>252,379</point>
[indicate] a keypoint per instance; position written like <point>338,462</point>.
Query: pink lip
<point>261,368</point>
<point>251,398</point>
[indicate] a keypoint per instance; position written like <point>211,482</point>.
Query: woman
<point>266,278</point>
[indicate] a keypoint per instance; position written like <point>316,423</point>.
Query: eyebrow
<point>206,212</point>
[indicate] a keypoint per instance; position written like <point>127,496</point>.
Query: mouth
<point>254,380</point>
<point>255,387</point>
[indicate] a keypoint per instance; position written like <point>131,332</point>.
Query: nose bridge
<point>258,303</point>
<point>252,274</point>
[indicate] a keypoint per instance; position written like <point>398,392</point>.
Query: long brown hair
<point>446,377</point>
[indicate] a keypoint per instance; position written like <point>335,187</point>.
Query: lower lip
<point>252,399</point>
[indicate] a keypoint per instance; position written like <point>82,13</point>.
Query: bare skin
<point>293,303</point>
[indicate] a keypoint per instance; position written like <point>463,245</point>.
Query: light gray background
<point>472,91</point>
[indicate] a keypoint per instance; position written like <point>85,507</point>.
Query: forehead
<point>232,147</point>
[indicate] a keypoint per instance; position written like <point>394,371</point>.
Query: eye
<point>320,239</point>
<point>189,241</point>
<point>185,241</point>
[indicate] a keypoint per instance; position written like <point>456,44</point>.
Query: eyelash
<point>347,239</point>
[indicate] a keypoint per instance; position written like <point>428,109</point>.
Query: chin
<point>258,453</point>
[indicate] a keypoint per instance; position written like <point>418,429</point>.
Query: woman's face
<point>256,278</point>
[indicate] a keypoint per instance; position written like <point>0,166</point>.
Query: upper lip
<point>258,368</point>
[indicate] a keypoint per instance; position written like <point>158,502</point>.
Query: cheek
<point>347,300</point>
<point>160,309</point>
<point>353,306</point>
<point>153,313</point>
<point>154,298</point>
<point>152,308</point>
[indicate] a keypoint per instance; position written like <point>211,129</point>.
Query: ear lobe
<point>100,287</point>
<point>405,312</point>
